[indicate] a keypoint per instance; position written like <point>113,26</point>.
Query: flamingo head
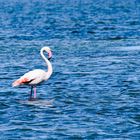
<point>48,50</point>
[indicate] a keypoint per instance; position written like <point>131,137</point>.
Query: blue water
<point>95,86</point>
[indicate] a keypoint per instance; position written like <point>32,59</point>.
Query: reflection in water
<point>38,102</point>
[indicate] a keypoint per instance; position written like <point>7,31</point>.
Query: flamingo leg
<point>34,92</point>
<point>32,95</point>
<point>30,98</point>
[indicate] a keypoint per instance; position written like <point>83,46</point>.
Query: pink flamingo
<point>34,77</point>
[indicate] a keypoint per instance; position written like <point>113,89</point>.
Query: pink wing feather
<point>20,81</point>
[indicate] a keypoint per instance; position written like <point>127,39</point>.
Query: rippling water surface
<point>94,92</point>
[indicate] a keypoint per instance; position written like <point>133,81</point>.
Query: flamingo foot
<point>32,99</point>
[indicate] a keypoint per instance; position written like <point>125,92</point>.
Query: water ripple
<point>94,88</point>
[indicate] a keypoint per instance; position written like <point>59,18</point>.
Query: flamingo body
<point>33,77</point>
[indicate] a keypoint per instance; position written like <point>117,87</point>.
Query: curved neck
<point>50,70</point>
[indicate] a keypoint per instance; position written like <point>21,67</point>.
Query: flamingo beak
<point>49,55</point>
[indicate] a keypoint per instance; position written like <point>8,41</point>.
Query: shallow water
<point>95,85</point>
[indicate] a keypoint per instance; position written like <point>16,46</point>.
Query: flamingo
<point>35,77</point>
